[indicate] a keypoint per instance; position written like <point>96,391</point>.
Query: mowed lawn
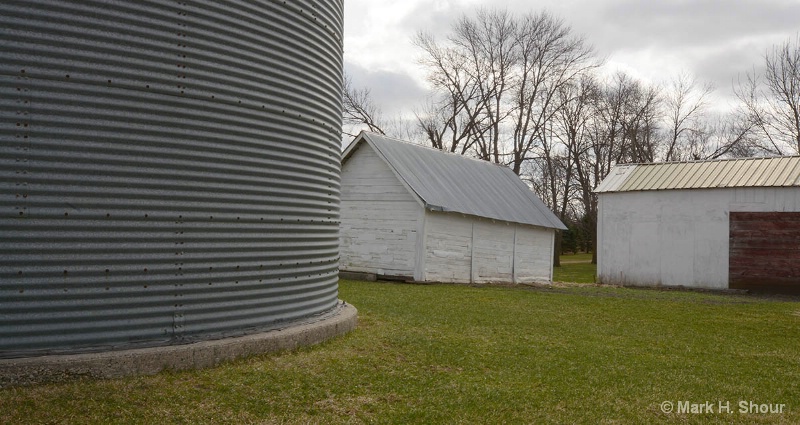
<point>577,268</point>
<point>459,354</point>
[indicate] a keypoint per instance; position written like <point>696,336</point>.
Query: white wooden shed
<point>723,224</point>
<point>417,213</point>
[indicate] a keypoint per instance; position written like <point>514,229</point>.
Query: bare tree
<point>452,118</point>
<point>471,72</point>
<point>489,44</point>
<point>625,123</point>
<point>550,58</point>
<point>773,104</point>
<point>564,142</point>
<point>640,123</point>
<point>576,117</point>
<point>684,102</point>
<point>612,121</point>
<point>724,136</point>
<point>498,77</point>
<point>359,111</point>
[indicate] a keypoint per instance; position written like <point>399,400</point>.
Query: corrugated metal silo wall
<point>170,170</point>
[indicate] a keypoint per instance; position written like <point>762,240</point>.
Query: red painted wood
<point>765,251</point>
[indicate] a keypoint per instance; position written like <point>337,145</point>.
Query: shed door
<point>765,251</point>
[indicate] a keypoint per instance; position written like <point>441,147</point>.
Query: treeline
<point>527,92</point>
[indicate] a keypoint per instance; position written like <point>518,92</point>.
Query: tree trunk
<point>557,249</point>
<point>593,233</point>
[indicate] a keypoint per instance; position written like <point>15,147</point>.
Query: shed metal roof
<point>454,183</point>
<point>744,172</point>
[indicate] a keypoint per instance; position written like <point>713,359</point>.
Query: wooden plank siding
<point>448,248</point>
<point>468,249</point>
<point>765,251</point>
<point>379,218</point>
<point>533,254</point>
<point>493,252</point>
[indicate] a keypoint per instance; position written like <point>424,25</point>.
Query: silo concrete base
<point>149,361</point>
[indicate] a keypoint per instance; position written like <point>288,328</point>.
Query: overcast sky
<point>654,40</point>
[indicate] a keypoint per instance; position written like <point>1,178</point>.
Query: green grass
<point>459,354</point>
<point>576,268</point>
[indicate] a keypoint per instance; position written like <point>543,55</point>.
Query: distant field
<point>576,268</point>
<point>442,354</point>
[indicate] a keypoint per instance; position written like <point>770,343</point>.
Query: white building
<point>416,213</point>
<point>707,224</point>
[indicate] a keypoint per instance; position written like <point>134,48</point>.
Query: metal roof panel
<point>615,179</point>
<point>455,183</point>
<point>741,172</point>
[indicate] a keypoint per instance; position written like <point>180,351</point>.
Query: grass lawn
<point>460,354</point>
<point>576,268</point>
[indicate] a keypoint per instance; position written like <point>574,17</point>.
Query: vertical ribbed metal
<point>169,170</point>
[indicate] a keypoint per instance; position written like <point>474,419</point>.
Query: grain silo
<point>170,170</point>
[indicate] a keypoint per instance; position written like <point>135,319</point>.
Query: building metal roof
<point>744,172</point>
<point>453,183</point>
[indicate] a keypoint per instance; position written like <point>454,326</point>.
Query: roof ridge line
<point>699,161</point>
<point>395,139</point>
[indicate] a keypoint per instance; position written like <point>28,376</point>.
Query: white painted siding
<point>676,237</point>
<point>534,254</point>
<point>469,249</point>
<point>493,252</point>
<point>379,218</point>
<point>448,247</point>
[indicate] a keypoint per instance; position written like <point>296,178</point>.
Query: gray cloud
<point>715,40</point>
<point>676,24</point>
<point>394,92</point>
<point>434,21</point>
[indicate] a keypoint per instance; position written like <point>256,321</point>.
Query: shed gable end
<point>379,218</point>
